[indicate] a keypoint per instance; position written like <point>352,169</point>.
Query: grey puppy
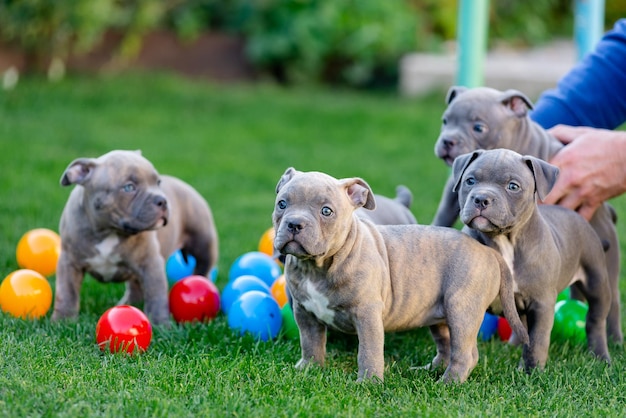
<point>547,247</point>
<point>346,273</point>
<point>485,118</point>
<point>391,211</point>
<point>120,223</point>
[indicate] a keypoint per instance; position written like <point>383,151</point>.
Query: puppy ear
<point>545,175</point>
<point>517,101</point>
<point>453,92</point>
<point>360,193</point>
<point>286,177</point>
<point>460,164</point>
<point>78,172</point>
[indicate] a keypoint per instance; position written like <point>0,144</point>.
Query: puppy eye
<point>470,181</point>
<point>479,128</point>
<point>513,186</point>
<point>129,188</point>
<point>281,204</point>
<point>326,211</point>
<point>444,121</point>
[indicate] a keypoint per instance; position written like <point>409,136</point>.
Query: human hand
<point>592,168</point>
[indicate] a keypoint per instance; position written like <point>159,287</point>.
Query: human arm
<point>593,93</point>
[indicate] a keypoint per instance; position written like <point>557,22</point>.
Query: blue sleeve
<point>593,93</point>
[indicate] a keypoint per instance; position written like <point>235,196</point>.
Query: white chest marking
<point>508,253</point>
<point>317,304</point>
<point>105,263</point>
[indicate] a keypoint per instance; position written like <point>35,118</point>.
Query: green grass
<point>233,143</point>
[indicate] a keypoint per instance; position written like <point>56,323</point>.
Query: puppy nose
<point>294,227</point>
<point>160,201</point>
<point>448,143</point>
<point>482,201</point>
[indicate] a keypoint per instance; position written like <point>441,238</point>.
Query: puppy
<point>350,275</point>
<point>485,118</point>
<point>546,247</point>
<point>120,223</point>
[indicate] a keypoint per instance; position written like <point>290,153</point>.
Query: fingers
<point>587,211</point>
<point>559,195</point>
<point>567,134</point>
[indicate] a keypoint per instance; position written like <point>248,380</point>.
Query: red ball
<point>123,328</point>
<point>194,298</point>
<point>504,329</point>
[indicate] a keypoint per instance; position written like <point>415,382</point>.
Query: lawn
<point>233,143</point>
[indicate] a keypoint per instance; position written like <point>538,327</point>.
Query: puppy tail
<point>507,298</point>
<point>404,196</point>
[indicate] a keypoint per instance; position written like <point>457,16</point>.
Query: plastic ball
<point>257,313</point>
<point>177,267</point>
<point>504,329</point>
<point>257,264</point>
<point>213,274</point>
<point>123,328</point>
<point>569,321</point>
<point>25,294</point>
<point>238,287</point>
<point>564,295</point>
<point>290,328</point>
<point>266,243</point>
<point>39,250</point>
<point>488,327</point>
<point>194,298</point>
<point>279,290</point>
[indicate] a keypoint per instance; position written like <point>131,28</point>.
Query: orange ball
<point>266,243</point>
<point>25,294</point>
<point>279,290</point>
<point>39,250</point>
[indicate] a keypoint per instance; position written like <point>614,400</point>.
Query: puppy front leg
<point>69,280</point>
<point>448,210</point>
<point>540,317</point>
<point>312,337</point>
<point>371,357</point>
<point>153,282</point>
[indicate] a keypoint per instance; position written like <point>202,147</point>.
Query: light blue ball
<point>177,268</point>
<point>242,284</point>
<point>257,313</point>
<point>257,264</point>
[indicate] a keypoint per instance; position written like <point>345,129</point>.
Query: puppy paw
<point>302,364</point>
<point>428,366</point>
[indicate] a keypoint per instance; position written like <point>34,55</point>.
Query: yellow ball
<point>39,250</point>
<point>266,243</point>
<point>25,294</point>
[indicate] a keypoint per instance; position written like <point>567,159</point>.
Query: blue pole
<point>472,42</point>
<point>588,25</point>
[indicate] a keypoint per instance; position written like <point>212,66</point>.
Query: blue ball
<point>258,313</point>
<point>177,268</point>
<point>257,264</point>
<point>238,287</point>
<point>213,274</point>
<point>488,327</point>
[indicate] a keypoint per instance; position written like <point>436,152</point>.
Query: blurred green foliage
<point>353,42</point>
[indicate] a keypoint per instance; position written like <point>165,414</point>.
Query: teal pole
<point>588,25</point>
<point>472,30</point>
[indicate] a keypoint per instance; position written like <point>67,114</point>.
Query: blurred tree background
<point>347,42</point>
